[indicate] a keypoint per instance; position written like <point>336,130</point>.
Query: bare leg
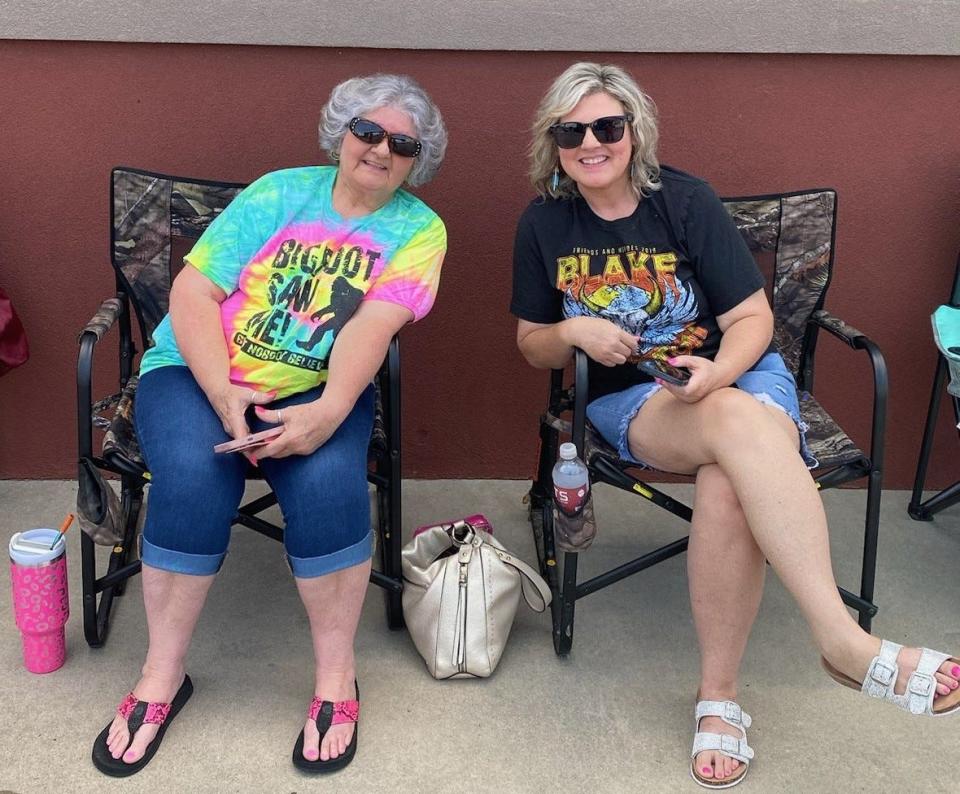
<point>333,603</point>
<point>173,603</point>
<point>781,504</point>
<point>725,569</point>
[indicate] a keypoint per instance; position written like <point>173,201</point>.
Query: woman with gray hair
<point>640,266</point>
<point>279,322</point>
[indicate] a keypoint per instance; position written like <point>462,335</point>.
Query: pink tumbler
<point>41,605</point>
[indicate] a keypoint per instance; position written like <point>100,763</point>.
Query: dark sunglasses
<point>370,132</point>
<point>609,129</point>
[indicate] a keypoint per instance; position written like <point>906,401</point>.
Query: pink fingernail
<point>253,460</point>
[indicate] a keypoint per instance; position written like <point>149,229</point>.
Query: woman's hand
<point>602,340</point>
<point>306,428</point>
<point>231,403</point>
<point>705,377</point>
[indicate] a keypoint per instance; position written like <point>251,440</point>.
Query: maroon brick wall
<point>882,130</point>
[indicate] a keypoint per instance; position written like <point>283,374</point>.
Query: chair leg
<point>96,612</point>
<point>390,534</point>
<point>870,537</point>
<point>946,498</point>
<point>542,488</point>
<point>565,606</point>
<point>539,500</point>
<point>917,510</point>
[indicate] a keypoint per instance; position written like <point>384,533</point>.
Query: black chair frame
<point>918,509</point>
<point>560,568</point>
<point>100,591</point>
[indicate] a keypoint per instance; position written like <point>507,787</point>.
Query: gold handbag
<point>460,595</point>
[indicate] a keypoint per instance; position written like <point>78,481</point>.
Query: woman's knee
<point>325,502</point>
<point>190,510</point>
<point>734,416</point>
<point>715,495</point>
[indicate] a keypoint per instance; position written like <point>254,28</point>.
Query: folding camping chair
<point>948,362</point>
<point>154,215</point>
<point>796,230</point>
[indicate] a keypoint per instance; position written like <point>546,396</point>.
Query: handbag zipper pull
<point>460,645</point>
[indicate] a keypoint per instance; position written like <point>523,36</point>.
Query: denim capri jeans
<point>195,492</point>
<point>769,381</point>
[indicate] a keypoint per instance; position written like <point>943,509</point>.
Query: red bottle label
<point>570,500</point>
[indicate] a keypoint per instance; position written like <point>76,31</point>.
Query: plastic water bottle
<point>574,526</point>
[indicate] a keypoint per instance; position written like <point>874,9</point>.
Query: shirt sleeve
<point>534,298</point>
<point>412,276</point>
<point>235,235</point>
<point>724,266</point>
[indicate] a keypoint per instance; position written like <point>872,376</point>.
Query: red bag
<point>13,339</point>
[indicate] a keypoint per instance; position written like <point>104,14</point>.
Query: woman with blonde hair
<point>635,262</point>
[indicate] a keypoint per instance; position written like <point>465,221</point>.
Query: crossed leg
<point>732,438</point>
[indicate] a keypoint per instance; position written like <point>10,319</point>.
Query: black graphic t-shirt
<point>664,273</point>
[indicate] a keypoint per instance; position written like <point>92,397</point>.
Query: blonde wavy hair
<point>578,81</point>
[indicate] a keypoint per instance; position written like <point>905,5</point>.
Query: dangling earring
<point>555,180</point>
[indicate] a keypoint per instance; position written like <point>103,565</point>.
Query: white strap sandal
<point>730,746</point>
<point>881,678</point>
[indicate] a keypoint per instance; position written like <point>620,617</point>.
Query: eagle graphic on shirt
<point>662,311</point>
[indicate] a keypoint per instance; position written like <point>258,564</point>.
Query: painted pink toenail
<point>955,671</point>
<point>706,770</point>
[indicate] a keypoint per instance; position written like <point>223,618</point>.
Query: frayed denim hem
<point>623,443</point>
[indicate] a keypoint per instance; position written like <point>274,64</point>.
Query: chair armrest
<point>109,312</point>
<point>840,329</point>
<point>860,341</point>
<point>103,320</point>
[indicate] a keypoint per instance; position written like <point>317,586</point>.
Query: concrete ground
<point>614,716</point>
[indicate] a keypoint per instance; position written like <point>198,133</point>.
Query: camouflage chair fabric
<point>149,213</point>
<point>798,231</point>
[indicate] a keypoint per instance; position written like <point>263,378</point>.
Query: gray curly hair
<point>360,95</point>
<point>568,89</point>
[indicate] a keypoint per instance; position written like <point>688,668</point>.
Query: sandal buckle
<point>920,684</point>
<point>729,744</point>
<point>732,713</point>
<point>883,672</point>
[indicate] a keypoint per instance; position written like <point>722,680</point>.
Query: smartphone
<point>252,440</point>
<point>665,372</point>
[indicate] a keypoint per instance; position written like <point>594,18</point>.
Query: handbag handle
<point>527,574</point>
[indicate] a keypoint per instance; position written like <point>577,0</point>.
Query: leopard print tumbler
<point>41,607</point>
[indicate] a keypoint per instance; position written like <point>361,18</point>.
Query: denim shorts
<point>769,381</point>
<point>195,492</point>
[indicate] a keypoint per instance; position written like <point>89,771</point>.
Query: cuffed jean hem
<point>179,561</point>
<point>311,567</point>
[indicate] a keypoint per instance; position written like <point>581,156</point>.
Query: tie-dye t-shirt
<point>295,270</point>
